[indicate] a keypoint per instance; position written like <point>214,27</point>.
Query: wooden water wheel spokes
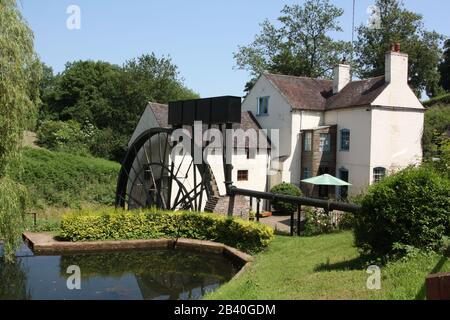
<point>155,174</point>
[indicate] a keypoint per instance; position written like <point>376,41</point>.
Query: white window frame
<point>379,173</point>
<point>307,147</point>
<point>322,143</point>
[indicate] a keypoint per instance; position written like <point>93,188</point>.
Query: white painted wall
<point>396,139</point>
<point>279,118</point>
<point>256,167</point>
<point>357,160</point>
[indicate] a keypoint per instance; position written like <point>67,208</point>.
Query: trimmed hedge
<point>112,224</point>
<point>409,208</point>
<point>287,189</point>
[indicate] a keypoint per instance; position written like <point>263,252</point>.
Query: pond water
<point>149,275</point>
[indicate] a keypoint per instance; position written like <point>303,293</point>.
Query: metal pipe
<point>257,209</point>
<point>327,205</point>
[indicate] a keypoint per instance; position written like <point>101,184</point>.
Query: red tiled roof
<point>357,93</point>
<point>315,94</point>
<point>303,93</point>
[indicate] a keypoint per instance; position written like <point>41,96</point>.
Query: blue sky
<point>199,35</point>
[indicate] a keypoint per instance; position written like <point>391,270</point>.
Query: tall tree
<point>19,95</point>
<point>111,98</point>
<point>397,24</point>
<point>300,46</point>
<point>444,67</point>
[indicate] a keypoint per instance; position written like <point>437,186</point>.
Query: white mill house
<point>358,131</point>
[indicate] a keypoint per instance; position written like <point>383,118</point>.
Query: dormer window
<point>263,106</point>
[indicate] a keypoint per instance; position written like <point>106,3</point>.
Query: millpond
<point>115,275</point>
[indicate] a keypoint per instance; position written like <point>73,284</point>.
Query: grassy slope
<point>326,267</point>
<point>61,180</point>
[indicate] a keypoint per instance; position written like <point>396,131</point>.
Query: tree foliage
<point>300,46</point>
<point>19,95</point>
<point>111,98</point>
<point>397,24</point>
<point>437,122</point>
<point>20,76</point>
<point>444,67</point>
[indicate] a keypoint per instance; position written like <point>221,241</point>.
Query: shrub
<point>112,224</point>
<point>317,222</point>
<point>346,221</point>
<point>63,136</point>
<point>289,190</point>
<point>410,208</point>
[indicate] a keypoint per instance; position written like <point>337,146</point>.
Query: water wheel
<point>157,173</point>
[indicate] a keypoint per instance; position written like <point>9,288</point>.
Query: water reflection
<point>161,274</point>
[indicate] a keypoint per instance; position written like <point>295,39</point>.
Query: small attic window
<point>263,106</point>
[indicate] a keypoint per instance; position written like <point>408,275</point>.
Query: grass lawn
<point>327,267</point>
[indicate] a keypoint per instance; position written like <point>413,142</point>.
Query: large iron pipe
<point>327,205</point>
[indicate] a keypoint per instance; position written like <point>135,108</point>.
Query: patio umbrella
<point>326,180</point>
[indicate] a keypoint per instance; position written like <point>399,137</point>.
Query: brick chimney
<point>341,76</point>
<point>396,65</point>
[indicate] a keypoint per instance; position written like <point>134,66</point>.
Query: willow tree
<point>19,96</point>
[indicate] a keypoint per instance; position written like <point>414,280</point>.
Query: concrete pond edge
<point>44,243</point>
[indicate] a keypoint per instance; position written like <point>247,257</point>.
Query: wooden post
<point>438,286</point>
<point>299,214</point>
<point>292,224</point>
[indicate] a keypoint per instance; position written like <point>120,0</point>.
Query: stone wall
<point>241,206</point>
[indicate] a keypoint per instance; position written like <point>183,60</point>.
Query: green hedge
<point>409,208</point>
<point>287,189</point>
<point>444,99</point>
<point>110,224</point>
